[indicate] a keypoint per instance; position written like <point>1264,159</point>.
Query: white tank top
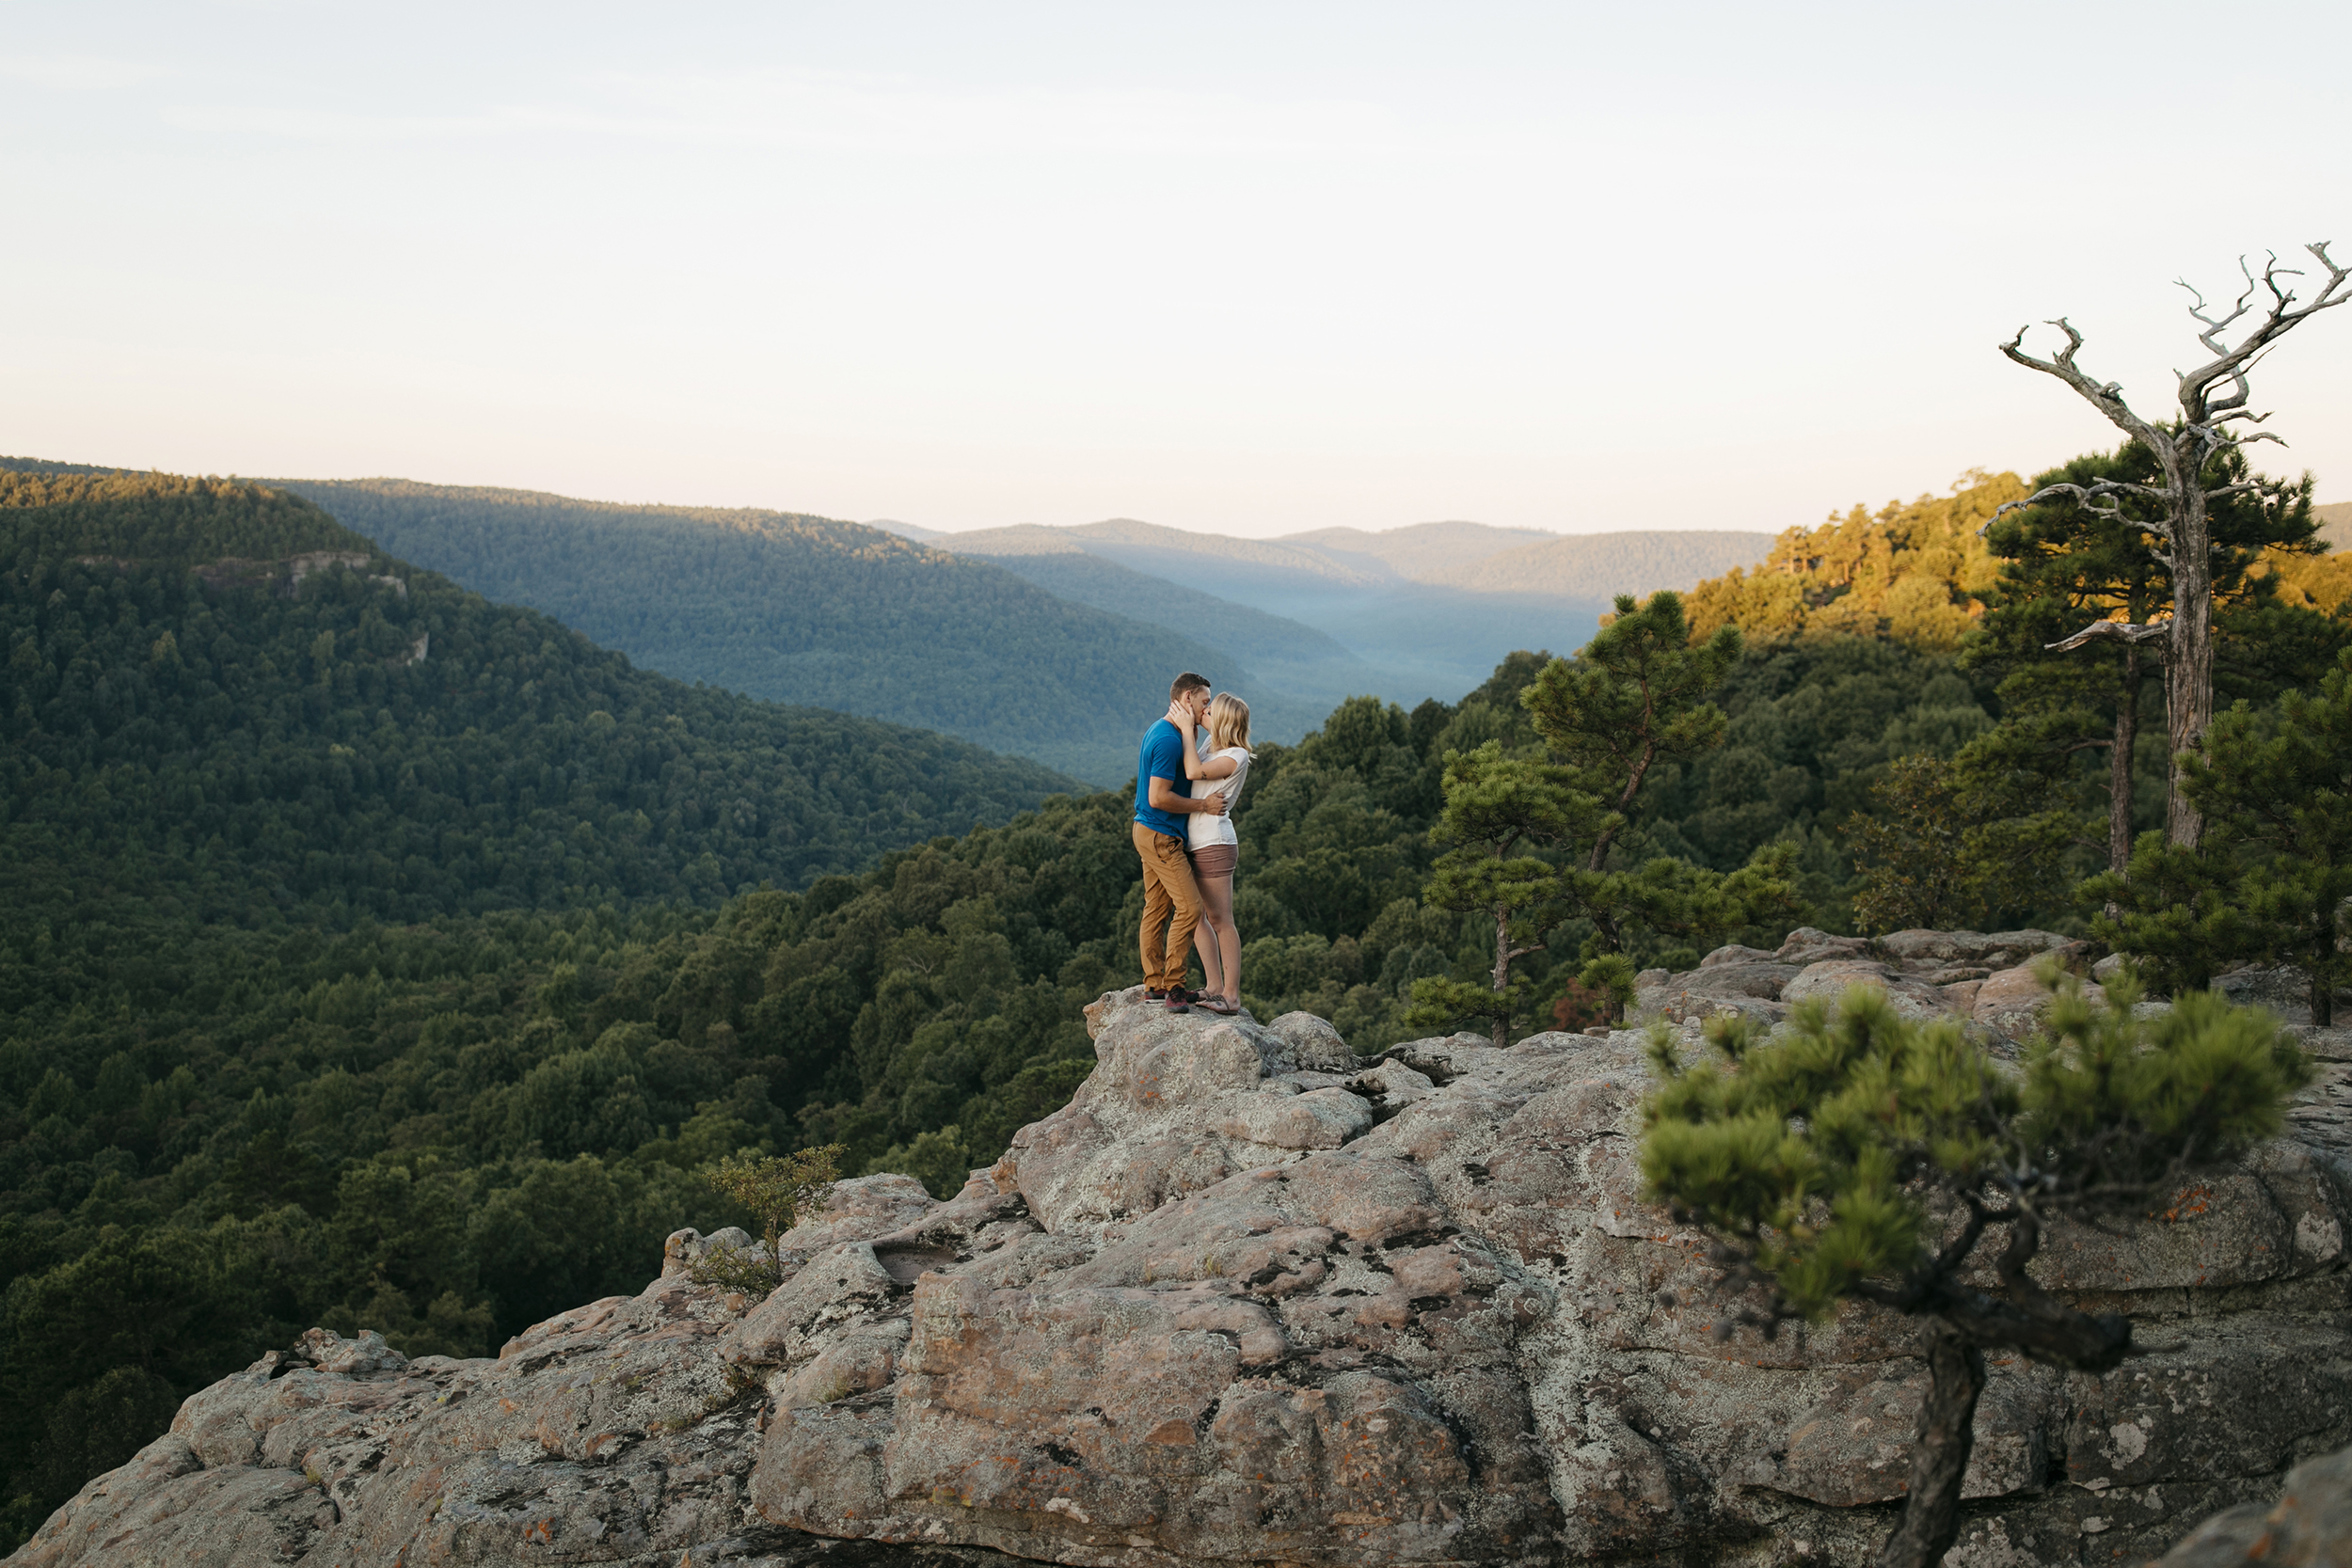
<point>1204,828</point>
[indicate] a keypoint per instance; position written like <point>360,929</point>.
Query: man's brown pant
<point>1170,898</point>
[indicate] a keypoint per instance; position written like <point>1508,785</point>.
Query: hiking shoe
<point>1180,1000</point>
<point>1152,995</point>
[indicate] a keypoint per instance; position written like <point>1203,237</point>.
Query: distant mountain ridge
<point>1428,609</point>
<point>795,608</point>
<point>2335,524</point>
<point>1473,556</point>
<point>1419,550</point>
<point>1608,564</point>
<point>1283,656</point>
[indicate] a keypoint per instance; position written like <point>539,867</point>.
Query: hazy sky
<point>1251,268</point>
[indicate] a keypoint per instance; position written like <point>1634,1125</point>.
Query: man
<point>1163,800</point>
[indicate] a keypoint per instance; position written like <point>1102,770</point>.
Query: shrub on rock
<point>1863,1154</point>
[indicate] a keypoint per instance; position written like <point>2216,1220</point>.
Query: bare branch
<point>2106,397</point>
<point>2282,316</point>
<point>2116,631</point>
<point>2268,488</point>
<point>2088,497</point>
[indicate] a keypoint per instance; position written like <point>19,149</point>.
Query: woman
<point>1221,760</point>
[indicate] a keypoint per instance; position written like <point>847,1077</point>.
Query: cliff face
<point>1248,1298</point>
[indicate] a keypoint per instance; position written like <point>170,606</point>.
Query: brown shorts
<point>1216,859</point>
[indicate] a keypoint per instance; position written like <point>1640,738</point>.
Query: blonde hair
<point>1229,723</point>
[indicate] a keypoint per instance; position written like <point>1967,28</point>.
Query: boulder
<point>1980,949</point>
<point>2322,1114</point>
<point>2012,1001</point>
<point>2309,1526</point>
<point>1829,979</point>
<point>1805,945</point>
<point>2285,992</point>
<point>1252,1299</point>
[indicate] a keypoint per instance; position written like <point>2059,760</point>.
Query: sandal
<point>1221,1006</point>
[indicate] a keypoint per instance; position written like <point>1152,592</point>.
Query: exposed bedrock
<point>1252,1299</point>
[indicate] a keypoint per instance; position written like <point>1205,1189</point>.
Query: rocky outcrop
<point>1984,980</point>
<point>2309,1526</point>
<point>1250,1299</point>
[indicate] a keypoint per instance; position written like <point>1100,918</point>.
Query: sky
<point>1244,268</point>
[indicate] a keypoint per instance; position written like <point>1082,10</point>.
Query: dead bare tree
<point>2212,397</point>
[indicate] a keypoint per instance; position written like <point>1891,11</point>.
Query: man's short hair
<point>1186,682</point>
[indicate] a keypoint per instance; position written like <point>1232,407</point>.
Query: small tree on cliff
<point>776,1191</point>
<point>2171,510</point>
<point>1863,1156</point>
<point>1497,808</point>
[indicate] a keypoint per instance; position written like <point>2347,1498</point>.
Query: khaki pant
<point>1170,898</point>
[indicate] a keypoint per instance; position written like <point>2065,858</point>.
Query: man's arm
<point>1164,798</point>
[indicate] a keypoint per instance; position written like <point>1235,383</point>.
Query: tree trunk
<point>1502,974</point>
<point>1939,1458</point>
<point>2324,966</point>
<point>2120,767</point>
<point>2189,677</point>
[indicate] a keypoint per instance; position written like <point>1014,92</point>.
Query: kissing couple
<point>1189,777</point>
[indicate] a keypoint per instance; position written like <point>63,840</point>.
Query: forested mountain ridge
<point>1917,572</point>
<point>1426,609</point>
<point>94,515</point>
<point>1921,572</point>
<point>1290,666</point>
<point>1272,561</point>
<point>807,609</point>
<point>224,699</point>
<point>1421,640</point>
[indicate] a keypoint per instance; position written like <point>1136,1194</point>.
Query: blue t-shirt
<point>1162,757</point>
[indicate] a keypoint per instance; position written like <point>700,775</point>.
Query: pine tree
<point>1955,842</point>
<point>1632,703</point>
<point>1634,700</point>
<point>1636,697</point>
<point>1828,1163</point>
<point>2180,501</point>
<point>2270,880</point>
<point>1497,807</point>
<point>2064,563</point>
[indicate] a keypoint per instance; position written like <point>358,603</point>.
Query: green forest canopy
<point>222,702</point>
